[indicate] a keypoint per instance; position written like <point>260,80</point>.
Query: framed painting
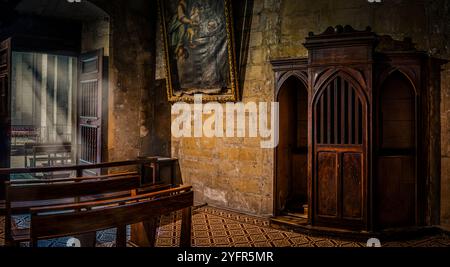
<point>200,55</point>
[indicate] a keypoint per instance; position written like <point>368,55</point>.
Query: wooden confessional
<point>373,137</point>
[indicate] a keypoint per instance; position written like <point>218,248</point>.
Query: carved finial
<point>338,29</point>
<point>329,30</point>
<point>348,28</point>
<point>339,34</point>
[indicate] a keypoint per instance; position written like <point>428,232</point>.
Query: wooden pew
<point>21,196</point>
<point>146,168</point>
<point>33,155</point>
<point>94,216</point>
<point>51,155</point>
<point>5,173</point>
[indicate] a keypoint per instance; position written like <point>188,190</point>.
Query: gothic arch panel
<point>396,179</point>
<point>291,190</point>
<point>339,125</point>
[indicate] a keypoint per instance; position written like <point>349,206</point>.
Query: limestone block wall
<point>95,35</point>
<point>131,73</point>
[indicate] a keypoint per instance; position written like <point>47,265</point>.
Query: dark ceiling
<point>60,9</point>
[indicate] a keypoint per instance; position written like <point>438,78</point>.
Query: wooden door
<point>90,95</point>
<point>395,186</point>
<point>339,155</point>
<point>5,109</point>
<point>5,112</point>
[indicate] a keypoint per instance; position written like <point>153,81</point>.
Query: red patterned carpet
<point>219,228</point>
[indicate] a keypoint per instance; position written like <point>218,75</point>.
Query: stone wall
<point>95,35</point>
<point>236,173</point>
<point>131,74</point>
<point>233,173</point>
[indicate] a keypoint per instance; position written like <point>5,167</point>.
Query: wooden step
<point>301,211</point>
<point>289,220</point>
<point>297,215</point>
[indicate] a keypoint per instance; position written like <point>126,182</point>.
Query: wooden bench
<point>23,195</point>
<point>142,165</point>
<point>28,150</point>
<point>27,132</point>
<point>147,168</point>
<point>51,155</point>
<point>95,216</point>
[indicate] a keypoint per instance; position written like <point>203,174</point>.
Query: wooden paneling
<point>327,184</point>
<point>396,181</point>
<point>396,192</point>
<point>287,141</point>
<point>291,182</point>
<point>397,114</point>
<point>344,55</point>
<point>352,186</point>
<point>299,177</point>
<point>302,118</point>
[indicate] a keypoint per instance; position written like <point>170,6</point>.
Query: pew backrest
<point>22,195</point>
<point>94,216</point>
<point>35,190</point>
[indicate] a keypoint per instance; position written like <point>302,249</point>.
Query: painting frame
<point>233,91</point>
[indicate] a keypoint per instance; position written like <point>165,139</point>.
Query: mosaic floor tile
<point>220,228</point>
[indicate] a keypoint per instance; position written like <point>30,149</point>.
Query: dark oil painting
<point>199,49</point>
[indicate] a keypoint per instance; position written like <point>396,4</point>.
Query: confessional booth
<point>359,133</point>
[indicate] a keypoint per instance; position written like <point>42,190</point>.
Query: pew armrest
<point>2,208</point>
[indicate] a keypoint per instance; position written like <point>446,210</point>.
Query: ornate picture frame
<point>200,55</point>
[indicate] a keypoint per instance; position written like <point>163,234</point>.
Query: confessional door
<point>339,155</point>
<point>90,96</point>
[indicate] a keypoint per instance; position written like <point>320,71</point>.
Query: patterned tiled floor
<point>219,228</point>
